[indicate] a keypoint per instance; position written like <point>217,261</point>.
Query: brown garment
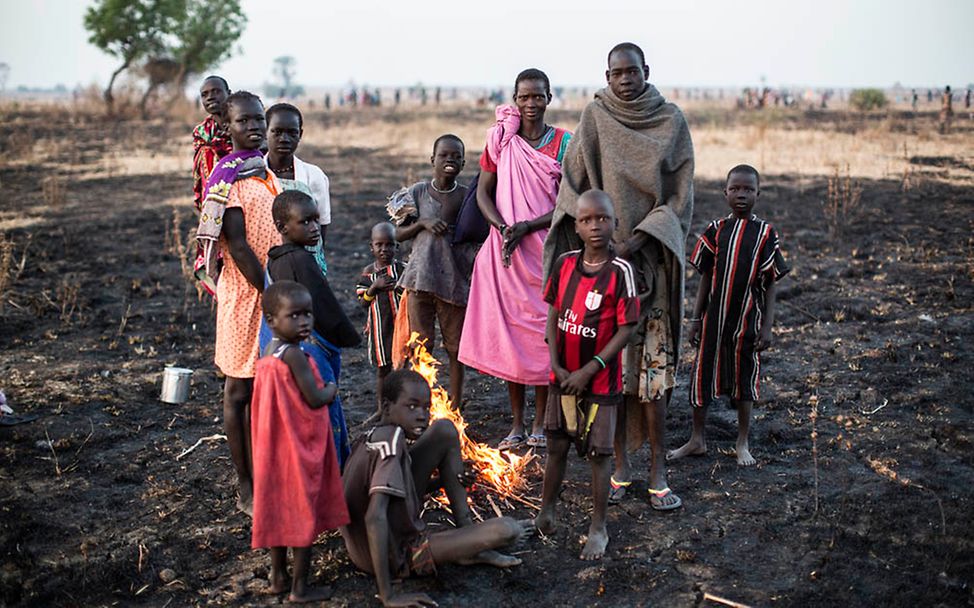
<point>380,463</point>
<point>640,153</point>
<point>602,432</point>
<point>425,309</point>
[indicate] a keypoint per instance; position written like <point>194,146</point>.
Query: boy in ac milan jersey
<point>593,313</point>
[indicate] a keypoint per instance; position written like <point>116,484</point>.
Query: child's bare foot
<point>277,584</point>
<point>492,558</point>
<point>595,544</point>
<point>545,522</point>
<point>527,530</point>
<point>310,594</point>
<point>245,502</point>
<point>744,457</point>
<point>694,447</point>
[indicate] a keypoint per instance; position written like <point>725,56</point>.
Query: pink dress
<point>503,332</point>
<point>298,491</point>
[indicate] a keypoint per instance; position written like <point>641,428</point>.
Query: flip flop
<point>510,442</point>
<point>13,419</point>
<point>656,500</point>
<point>537,440</point>
<point>617,490</point>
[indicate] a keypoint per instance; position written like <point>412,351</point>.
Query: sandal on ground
<point>658,502</point>
<point>537,440</point>
<point>617,490</point>
<point>510,442</point>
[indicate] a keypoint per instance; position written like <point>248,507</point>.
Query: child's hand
<point>764,339</point>
<point>330,392</point>
<point>434,225</point>
<point>561,374</point>
<point>383,283</point>
<point>694,333</point>
<point>408,600</point>
<point>578,381</point>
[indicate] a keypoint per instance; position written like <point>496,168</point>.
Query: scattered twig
<point>873,411</point>
<point>723,600</point>
<point>813,416</point>
<point>143,551</point>
<point>199,442</point>
<point>799,309</point>
<point>885,471</point>
<point>50,444</point>
<point>493,505</point>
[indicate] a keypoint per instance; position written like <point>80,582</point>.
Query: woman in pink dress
<point>503,332</point>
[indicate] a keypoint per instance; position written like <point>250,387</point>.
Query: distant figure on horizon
<point>915,100</point>
<point>946,111</point>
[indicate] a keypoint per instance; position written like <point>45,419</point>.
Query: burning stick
<point>502,473</point>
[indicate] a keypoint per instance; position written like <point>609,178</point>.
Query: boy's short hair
<point>533,74</point>
<point>387,226</point>
<point>235,97</point>
<point>393,384</point>
<point>451,137</point>
<point>278,292</point>
<point>221,79</point>
<point>281,209</point>
<point>285,107</point>
<point>746,169</point>
<point>627,46</point>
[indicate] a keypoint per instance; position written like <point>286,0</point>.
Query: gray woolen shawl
<point>640,153</point>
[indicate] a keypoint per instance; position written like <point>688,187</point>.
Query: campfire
<point>503,474</point>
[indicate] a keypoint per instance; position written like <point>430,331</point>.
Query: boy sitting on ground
<point>385,482</point>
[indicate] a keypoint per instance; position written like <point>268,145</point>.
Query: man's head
<point>296,218</point>
<point>288,311</point>
<point>595,219</point>
<point>406,402</point>
<point>627,72</point>
<point>213,92</point>
<point>742,190</point>
<point>382,243</point>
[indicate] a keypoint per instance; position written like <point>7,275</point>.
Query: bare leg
<point>278,576</point>
<point>456,381</point>
<point>439,449</point>
<point>598,534</point>
<point>554,475</point>
<point>744,457</point>
<point>477,543</point>
<point>301,593</point>
<point>380,375</point>
<point>236,423</point>
<point>623,468</point>
<point>697,445</point>
<point>540,405</point>
<point>516,393</point>
<point>656,421</point>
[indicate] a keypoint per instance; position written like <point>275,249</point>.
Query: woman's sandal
<point>537,440</point>
<point>510,442</point>
<point>656,500</point>
<point>617,490</point>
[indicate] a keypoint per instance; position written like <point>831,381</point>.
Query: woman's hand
<point>694,334</point>
<point>513,236</point>
<point>764,339</point>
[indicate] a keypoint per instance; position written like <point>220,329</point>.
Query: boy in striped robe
<point>740,263</point>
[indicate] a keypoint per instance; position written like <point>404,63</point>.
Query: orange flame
<point>501,472</point>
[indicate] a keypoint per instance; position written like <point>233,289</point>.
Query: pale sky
<point>400,42</point>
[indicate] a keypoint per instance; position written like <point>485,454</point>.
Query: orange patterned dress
<point>237,301</point>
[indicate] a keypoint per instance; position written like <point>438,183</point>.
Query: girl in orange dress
<point>236,222</point>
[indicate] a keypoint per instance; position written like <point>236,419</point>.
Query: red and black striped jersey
<point>591,307</point>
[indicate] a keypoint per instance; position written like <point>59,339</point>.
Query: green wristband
<point>599,360</point>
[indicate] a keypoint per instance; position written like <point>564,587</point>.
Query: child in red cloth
<point>297,487</point>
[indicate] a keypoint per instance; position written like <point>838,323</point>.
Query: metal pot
<point>175,384</point>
